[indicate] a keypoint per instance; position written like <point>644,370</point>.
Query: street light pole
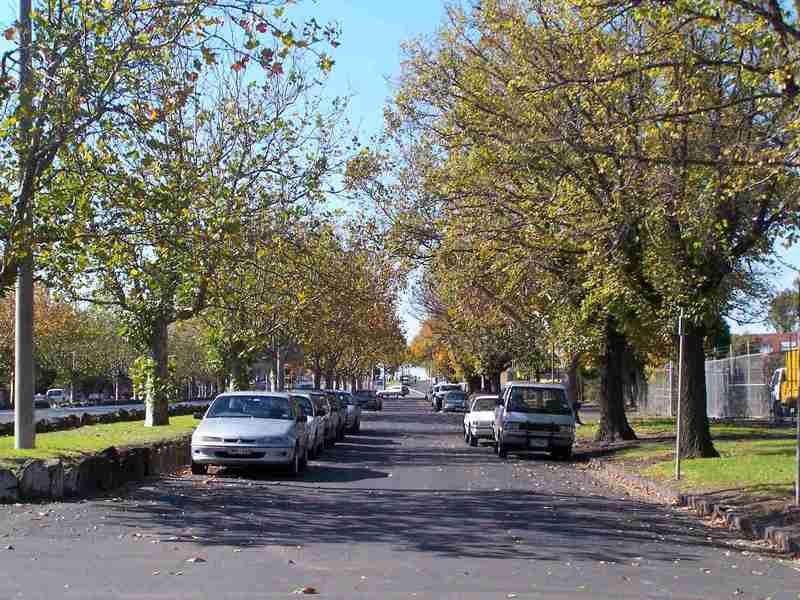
<point>24,429</point>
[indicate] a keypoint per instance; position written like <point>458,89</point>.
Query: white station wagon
<point>479,420</point>
<point>534,417</point>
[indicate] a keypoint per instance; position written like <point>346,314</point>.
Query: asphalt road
<point>402,510</point>
<point>7,416</point>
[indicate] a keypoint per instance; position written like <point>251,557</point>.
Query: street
<point>402,509</point>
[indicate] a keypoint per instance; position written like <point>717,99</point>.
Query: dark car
<point>368,400</point>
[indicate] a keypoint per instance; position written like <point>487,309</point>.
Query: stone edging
<point>93,474</point>
<point>783,538</point>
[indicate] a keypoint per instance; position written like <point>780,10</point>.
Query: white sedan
<point>479,419</point>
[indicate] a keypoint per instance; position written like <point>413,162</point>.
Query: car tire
<point>199,469</point>
<point>473,441</point>
<point>502,451</point>
<point>357,426</point>
<point>564,454</point>
<point>304,461</point>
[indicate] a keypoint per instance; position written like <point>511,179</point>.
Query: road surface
<point>402,510</point>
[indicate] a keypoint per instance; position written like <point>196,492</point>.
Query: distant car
<point>437,394</point>
<point>40,401</point>
<point>368,399</point>
<point>534,417</point>
<point>315,423</point>
<point>56,397</point>
<point>479,420</point>
<point>251,429</point>
<point>454,401</point>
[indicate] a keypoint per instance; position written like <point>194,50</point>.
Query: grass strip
<point>757,460</point>
<point>93,438</point>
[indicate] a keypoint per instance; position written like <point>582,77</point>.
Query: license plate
<point>239,451</point>
<point>537,443</point>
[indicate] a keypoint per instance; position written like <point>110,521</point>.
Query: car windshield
<point>447,388</point>
<point>455,396</point>
<point>346,399</point>
<point>484,404</point>
<point>254,407</point>
<point>365,393</point>
<point>549,401</point>
<point>305,405</point>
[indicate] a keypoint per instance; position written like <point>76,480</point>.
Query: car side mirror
<point>198,415</point>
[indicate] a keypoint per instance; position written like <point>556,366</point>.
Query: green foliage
<point>783,311</point>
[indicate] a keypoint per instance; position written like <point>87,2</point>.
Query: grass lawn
<point>93,438</point>
<point>752,459</point>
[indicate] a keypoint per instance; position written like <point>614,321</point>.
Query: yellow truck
<point>784,383</point>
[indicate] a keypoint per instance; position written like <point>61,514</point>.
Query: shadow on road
<point>243,509</point>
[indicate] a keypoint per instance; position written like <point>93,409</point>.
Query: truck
<point>784,384</point>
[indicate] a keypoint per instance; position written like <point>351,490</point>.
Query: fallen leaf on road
<point>305,590</point>
<point>196,559</point>
<point>156,572</point>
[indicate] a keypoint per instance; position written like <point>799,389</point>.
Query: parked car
<point>56,397</point>
<point>479,419</point>
<point>454,401</point>
<point>315,423</point>
<point>322,407</point>
<point>40,401</point>
<point>438,392</point>
<point>339,409</point>
<point>251,429</point>
<point>368,400</point>
<point>534,417</point>
<point>352,411</point>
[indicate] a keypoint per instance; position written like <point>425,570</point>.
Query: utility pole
<point>797,403</point>
<point>680,395</point>
<point>24,428</point>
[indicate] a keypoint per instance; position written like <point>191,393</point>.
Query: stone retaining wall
<point>98,473</point>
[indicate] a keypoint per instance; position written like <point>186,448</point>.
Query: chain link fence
<point>737,387</point>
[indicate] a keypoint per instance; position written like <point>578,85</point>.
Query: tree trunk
<point>572,382</point>
<point>613,421</point>
<point>695,432</point>
<point>494,383</point>
<point>156,403</point>
<point>317,375</point>
<point>279,375</point>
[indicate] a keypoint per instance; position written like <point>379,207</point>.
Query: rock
<point>42,480</point>
<point>88,476</point>
<point>9,487</point>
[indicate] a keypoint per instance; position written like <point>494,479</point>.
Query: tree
<point>783,308</point>
<point>167,209</point>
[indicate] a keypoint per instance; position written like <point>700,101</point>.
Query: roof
<point>552,386</point>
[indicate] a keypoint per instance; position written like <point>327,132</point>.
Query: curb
<point>50,480</point>
<point>783,538</point>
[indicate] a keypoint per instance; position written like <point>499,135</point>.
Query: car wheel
<point>357,426</point>
<point>473,441</point>
<point>502,451</point>
<point>199,469</point>
<point>294,466</point>
<point>562,454</point>
<point>466,435</point>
